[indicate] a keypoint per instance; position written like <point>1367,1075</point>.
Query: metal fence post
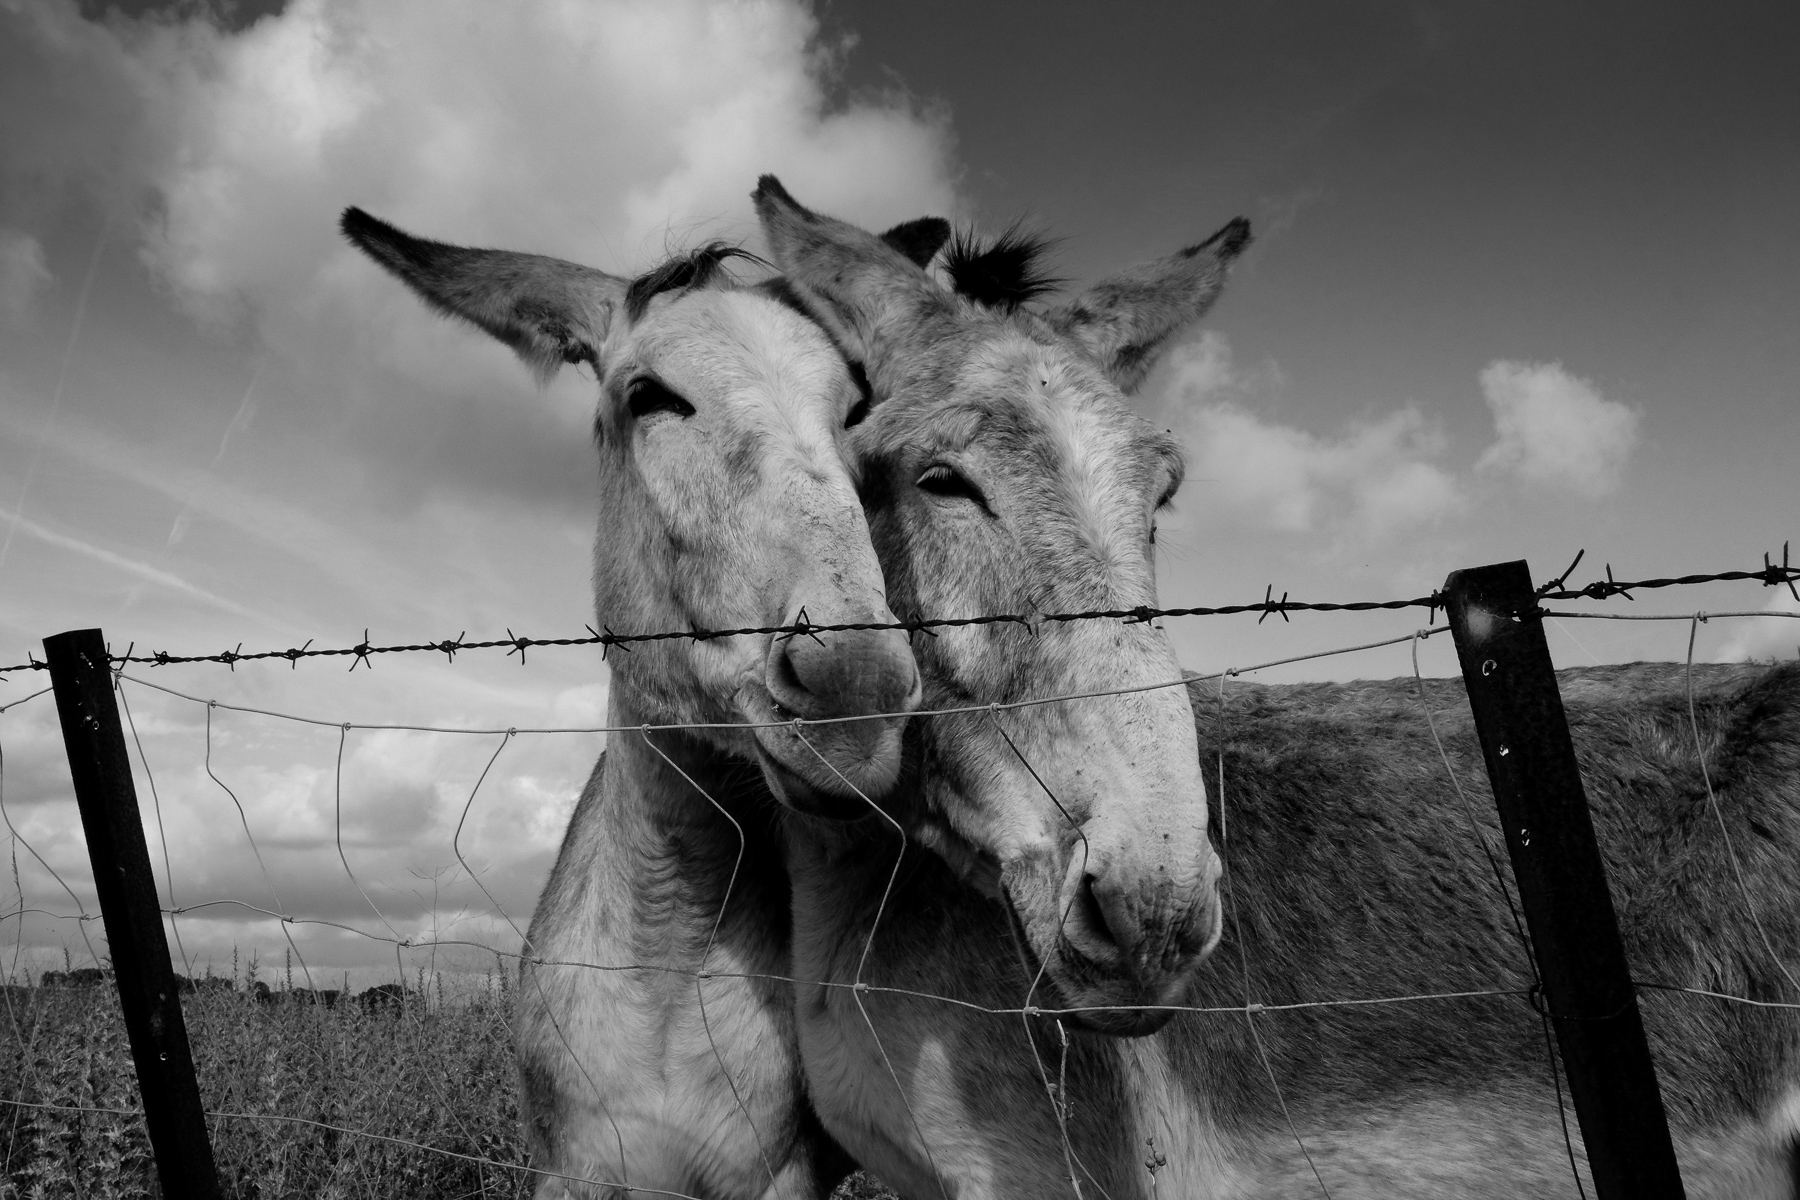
<point>1587,986</point>
<point>95,742</point>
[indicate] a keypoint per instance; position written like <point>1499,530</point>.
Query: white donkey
<point>655,1037</point>
<point>1002,473</point>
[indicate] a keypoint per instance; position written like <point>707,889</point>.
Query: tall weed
<point>438,1075</point>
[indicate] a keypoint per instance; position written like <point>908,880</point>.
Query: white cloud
<point>598,131</point>
<point>607,132</point>
<point>22,273</point>
<point>1556,429</point>
<point>1765,637</point>
<point>1372,480</point>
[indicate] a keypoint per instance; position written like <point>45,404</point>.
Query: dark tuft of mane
<point>1003,273</point>
<point>697,268</point>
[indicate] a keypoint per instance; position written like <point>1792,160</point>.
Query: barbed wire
<point>363,653</point>
<point>1249,1009</point>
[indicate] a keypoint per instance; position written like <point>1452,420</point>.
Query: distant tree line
<point>382,997</point>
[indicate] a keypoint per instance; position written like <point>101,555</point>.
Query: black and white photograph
<point>853,600</point>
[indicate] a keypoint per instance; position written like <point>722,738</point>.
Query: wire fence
<point>503,940</point>
<point>1769,575</point>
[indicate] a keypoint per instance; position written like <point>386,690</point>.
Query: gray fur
<point>1124,322</point>
<point>733,508</point>
<point>549,311</point>
<point>1087,817</point>
<point>1356,874</point>
<point>1351,874</point>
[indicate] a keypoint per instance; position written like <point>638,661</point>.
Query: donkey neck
<point>678,820</point>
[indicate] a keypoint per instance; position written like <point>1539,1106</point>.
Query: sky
<point>1522,285</point>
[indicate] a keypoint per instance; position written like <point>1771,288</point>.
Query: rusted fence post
<point>134,931</point>
<point>1587,986</point>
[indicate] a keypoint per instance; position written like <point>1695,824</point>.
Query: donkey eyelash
<point>645,396</point>
<point>942,480</point>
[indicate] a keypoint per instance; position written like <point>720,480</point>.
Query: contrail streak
<point>130,566</point>
<point>81,302</point>
<point>238,420</point>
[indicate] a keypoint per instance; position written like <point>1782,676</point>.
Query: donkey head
<point>725,501</point>
<point>1003,472</point>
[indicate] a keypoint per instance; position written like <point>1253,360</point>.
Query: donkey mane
<point>1003,272</point>
<point>696,268</point>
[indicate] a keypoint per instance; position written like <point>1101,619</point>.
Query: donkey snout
<point>1145,924</point>
<point>844,673</point>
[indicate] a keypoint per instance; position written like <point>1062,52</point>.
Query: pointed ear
<point>919,240</point>
<point>549,311</point>
<point>868,294</point>
<point>1126,321</point>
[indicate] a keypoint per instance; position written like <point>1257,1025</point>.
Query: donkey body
<point>656,1047</point>
<point>1355,872</point>
<point>1348,872</point>
<point>1002,473</point>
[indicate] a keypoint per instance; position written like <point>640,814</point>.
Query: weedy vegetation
<point>433,1072</point>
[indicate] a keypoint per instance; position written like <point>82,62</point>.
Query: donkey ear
<point>549,311</point>
<point>866,292</point>
<point>919,240</point>
<point>1125,321</point>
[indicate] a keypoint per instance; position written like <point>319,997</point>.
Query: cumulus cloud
<point>22,273</point>
<point>610,132</point>
<point>1556,429</point>
<point>1371,480</point>
<point>606,132</point>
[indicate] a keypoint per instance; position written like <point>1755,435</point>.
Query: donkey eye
<point>941,480</point>
<point>645,395</point>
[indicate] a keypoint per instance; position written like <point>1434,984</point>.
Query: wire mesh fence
<point>457,972</point>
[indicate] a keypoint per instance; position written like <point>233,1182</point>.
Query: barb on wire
<point>1555,585</point>
<point>802,625</point>
<point>1276,606</point>
<point>363,652</point>
<point>1782,574</point>
<point>1769,575</point>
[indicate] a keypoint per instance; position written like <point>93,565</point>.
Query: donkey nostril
<point>1091,914</point>
<point>845,673</point>
<point>783,679</point>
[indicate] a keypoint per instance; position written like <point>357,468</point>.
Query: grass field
<point>437,1074</point>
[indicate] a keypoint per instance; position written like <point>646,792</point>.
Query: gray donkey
<point>655,1036</point>
<point>952,1009</point>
